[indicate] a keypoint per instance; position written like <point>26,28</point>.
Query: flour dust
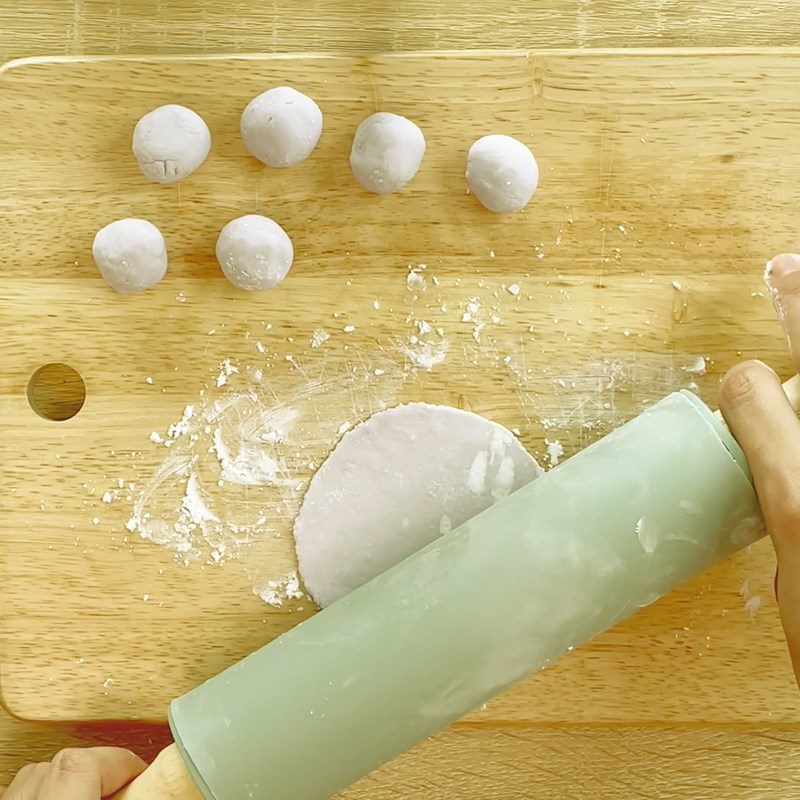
<point>238,457</point>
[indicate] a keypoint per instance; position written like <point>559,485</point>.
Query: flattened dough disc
<point>394,484</point>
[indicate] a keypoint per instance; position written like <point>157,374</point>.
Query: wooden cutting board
<point>667,179</point>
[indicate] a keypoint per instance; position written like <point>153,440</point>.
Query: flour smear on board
<point>238,458</point>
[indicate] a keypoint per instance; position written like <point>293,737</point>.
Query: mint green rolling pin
<point>544,570</point>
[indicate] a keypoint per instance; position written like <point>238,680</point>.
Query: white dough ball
<point>254,252</point>
<point>170,143</point>
<point>281,126</point>
<point>387,151</point>
<point>502,173</point>
<point>130,254</point>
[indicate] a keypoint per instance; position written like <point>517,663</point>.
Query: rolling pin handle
<point>165,779</point>
<point>791,389</point>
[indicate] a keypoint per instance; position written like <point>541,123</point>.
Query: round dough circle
<point>170,143</point>
<point>254,252</point>
<point>281,126</point>
<point>130,254</point>
<point>394,484</point>
<point>387,151</point>
<point>502,173</point>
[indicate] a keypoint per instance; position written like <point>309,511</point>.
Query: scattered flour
<point>752,605</point>
<point>239,461</point>
<point>696,367</point>
<point>555,451</point>
<point>752,601</point>
<point>177,510</point>
<point>319,337</point>
<point>598,396</point>
<point>415,281</point>
<point>179,428</point>
<point>246,458</point>
<point>226,369</point>
<point>426,355</point>
<point>276,592</point>
<point>194,503</point>
<point>471,310</point>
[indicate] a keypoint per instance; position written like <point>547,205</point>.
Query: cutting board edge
<point>19,63</point>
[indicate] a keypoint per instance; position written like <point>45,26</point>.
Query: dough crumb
<point>415,282</point>
<point>554,452</point>
<point>697,367</point>
<point>226,369</point>
<point>319,337</point>
<point>275,592</point>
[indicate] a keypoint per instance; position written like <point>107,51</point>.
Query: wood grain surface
<point>74,27</point>
<point>521,763</point>
<point>632,199</point>
<point>754,758</point>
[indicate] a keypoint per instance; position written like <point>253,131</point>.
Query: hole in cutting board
<point>56,392</point>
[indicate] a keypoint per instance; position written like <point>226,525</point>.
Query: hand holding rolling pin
<point>766,426</point>
<point>76,774</point>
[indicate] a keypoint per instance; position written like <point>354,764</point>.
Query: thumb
<point>766,426</point>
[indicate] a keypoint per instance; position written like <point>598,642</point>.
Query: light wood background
<point>53,27</point>
<point>652,172</point>
<point>753,759</point>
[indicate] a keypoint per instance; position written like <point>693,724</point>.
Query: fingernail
<point>767,366</point>
<point>745,364</point>
<point>781,277</point>
<point>782,266</point>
